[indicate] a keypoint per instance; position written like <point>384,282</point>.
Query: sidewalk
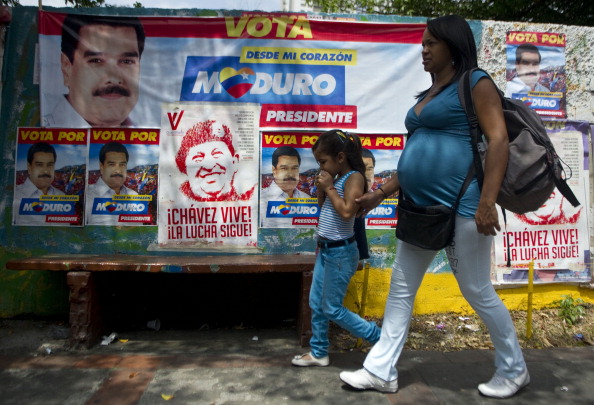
<point>223,367</point>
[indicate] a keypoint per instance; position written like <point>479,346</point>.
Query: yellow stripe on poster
<point>298,56</point>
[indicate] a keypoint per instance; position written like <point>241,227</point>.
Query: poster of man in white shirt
<point>288,169</point>
<point>49,177</point>
<point>122,190</point>
<point>99,62</point>
<point>535,71</point>
<point>286,162</point>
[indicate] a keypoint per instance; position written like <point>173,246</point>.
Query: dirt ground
<point>453,332</point>
<point>441,332</point>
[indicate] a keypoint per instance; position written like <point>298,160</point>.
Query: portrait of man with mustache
<point>41,165</point>
<point>528,60</point>
<point>100,63</point>
<point>286,162</point>
<point>113,166</point>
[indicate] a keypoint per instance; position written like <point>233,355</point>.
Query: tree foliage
<point>68,3</point>
<point>575,12</point>
<point>85,3</point>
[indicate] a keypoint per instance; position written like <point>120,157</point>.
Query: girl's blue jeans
<point>333,271</point>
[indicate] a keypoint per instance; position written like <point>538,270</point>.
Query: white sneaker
<point>364,380</point>
<point>501,387</point>
<point>308,360</point>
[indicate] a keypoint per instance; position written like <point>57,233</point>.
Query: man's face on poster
<point>556,210</point>
<point>103,76</point>
<point>286,173</point>
<point>41,170</point>
<point>369,171</point>
<point>210,167</point>
<point>528,68</point>
<point>550,209</point>
<point>114,170</point>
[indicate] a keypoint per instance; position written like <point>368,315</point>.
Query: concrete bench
<point>86,320</point>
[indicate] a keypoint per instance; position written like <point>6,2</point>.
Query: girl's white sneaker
<point>308,360</point>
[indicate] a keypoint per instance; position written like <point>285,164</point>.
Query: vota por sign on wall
<point>49,176</point>
<point>305,74</point>
<point>288,196</point>
<point>122,187</point>
<point>535,71</point>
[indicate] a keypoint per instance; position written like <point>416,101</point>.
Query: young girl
<point>340,180</point>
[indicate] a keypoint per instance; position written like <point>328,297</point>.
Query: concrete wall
<point>42,293</point>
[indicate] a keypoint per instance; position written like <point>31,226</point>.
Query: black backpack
<point>534,168</point>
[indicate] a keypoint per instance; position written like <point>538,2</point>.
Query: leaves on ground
<point>455,332</point>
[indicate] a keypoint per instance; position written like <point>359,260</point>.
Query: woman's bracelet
<point>380,189</point>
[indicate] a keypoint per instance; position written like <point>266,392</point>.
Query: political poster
<point>122,186</point>
<point>288,170</point>
<point>208,172</point>
<point>556,236</point>
<point>50,177</point>
<point>307,74</point>
<point>536,71</point>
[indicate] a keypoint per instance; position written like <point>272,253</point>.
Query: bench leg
<point>86,322</point>
<point>304,314</point>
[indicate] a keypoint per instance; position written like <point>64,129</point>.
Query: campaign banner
<point>50,176</point>
<point>306,74</point>
<point>122,177</point>
<point>556,236</point>
<point>208,176</point>
<point>288,170</point>
<point>381,153</point>
<point>535,71</point>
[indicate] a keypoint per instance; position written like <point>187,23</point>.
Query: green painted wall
<point>44,293</point>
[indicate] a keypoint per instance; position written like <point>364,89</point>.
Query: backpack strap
<point>467,103</point>
<point>465,96</point>
<point>566,191</point>
<point>467,181</point>
<point>506,238</point>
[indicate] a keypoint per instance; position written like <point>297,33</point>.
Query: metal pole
<point>364,296</point>
<point>364,292</point>
<point>530,292</point>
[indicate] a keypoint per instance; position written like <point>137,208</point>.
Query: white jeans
<point>470,258</point>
